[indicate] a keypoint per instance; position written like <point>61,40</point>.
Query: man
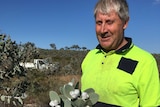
<point>119,71</point>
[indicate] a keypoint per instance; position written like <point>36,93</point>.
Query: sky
<point>71,22</point>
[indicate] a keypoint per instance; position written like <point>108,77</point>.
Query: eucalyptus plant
<point>13,81</point>
<point>72,96</point>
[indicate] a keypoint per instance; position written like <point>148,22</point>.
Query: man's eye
<point>109,22</point>
<point>98,22</point>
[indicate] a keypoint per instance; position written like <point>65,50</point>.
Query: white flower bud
<point>70,83</point>
<point>76,91</point>
<point>53,103</point>
<point>85,95</point>
<point>71,93</point>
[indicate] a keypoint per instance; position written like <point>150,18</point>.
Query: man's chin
<point>105,45</point>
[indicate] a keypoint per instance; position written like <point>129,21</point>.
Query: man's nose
<point>104,28</point>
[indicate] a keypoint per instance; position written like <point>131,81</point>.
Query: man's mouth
<point>104,35</point>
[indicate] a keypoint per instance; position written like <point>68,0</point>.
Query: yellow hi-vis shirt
<point>128,77</point>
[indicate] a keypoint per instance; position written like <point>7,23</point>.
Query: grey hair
<point>119,6</point>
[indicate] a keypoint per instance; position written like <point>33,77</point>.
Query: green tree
<point>76,47</point>
<point>84,48</point>
<point>53,46</point>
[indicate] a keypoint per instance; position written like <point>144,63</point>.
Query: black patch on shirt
<point>127,65</point>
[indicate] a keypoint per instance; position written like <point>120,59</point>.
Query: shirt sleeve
<point>149,85</point>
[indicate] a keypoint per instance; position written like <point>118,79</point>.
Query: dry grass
<point>48,83</point>
<point>68,78</point>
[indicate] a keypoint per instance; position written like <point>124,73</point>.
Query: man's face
<point>110,30</point>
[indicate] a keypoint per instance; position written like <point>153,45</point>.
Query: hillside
<point>66,57</point>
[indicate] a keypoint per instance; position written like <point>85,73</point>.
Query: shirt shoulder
<point>140,54</point>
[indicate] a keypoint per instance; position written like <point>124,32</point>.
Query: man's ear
<point>126,23</point>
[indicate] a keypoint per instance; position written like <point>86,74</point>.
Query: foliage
<point>71,96</point>
<point>28,51</point>
<point>53,46</point>
<point>12,76</point>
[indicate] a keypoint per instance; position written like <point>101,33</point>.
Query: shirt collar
<point>123,49</point>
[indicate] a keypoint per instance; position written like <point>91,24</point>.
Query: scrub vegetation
<point>17,81</point>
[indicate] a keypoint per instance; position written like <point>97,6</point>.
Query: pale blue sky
<point>69,22</point>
